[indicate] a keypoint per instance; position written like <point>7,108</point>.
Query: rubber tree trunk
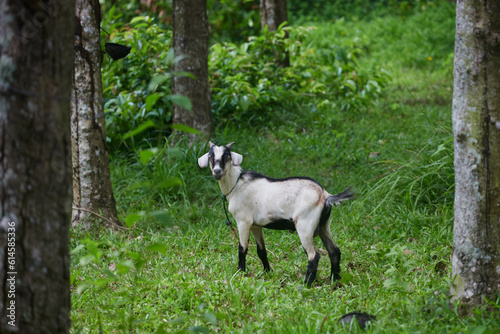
<point>93,201</point>
<point>190,43</point>
<point>272,14</point>
<point>476,127</point>
<point>36,61</point>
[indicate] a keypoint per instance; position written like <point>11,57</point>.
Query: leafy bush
<point>247,85</point>
<point>137,92</point>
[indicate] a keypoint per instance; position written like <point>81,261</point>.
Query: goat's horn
<point>230,145</point>
<point>211,144</point>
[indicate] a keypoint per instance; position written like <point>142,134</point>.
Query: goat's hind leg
<point>306,238</point>
<point>261,246</point>
<point>333,250</point>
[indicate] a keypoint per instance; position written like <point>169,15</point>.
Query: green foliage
<point>425,180</point>
<point>159,178</point>
<point>137,94</point>
<point>233,21</point>
<point>229,20</point>
<point>249,87</point>
<point>329,10</point>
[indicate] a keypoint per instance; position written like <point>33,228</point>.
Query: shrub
<point>247,86</point>
<point>137,89</point>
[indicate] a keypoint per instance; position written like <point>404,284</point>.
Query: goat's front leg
<point>244,232</point>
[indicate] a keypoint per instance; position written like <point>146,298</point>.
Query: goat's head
<point>220,159</point>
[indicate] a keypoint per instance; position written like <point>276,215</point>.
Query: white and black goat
<point>256,201</point>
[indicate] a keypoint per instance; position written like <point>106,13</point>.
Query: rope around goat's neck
<point>224,200</point>
<point>225,196</point>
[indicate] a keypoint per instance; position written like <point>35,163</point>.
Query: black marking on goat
<point>335,254</point>
<point>333,251</point>
<point>336,199</point>
<point>211,155</point>
<point>281,224</point>
<point>226,156</point>
<point>325,215</point>
<point>251,175</point>
<point>261,251</point>
<point>242,253</point>
<point>312,270</point>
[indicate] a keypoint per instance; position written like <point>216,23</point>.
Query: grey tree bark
<point>190,43</point>
<point>93,198</point>
<point>272,14</point>
<point>36,61</point>
<point>476,127</point>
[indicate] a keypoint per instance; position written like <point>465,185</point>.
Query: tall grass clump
<point>161,178</point>
<point>426,179</point>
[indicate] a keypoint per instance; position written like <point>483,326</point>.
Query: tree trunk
<point>92,192</point>
<point>476,127</point>
<point>190,43</point>
<point>272,14</point>
<point>36,61</point>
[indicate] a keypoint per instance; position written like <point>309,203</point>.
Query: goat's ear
<point>236,158</point>
<point>203,161</point>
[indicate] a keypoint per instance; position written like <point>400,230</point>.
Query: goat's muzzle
<point>217,173</point>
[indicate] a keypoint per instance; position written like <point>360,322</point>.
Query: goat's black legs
<point>243,231</point>
<point>243,247</point>
<point>312,269</point>
<point>263,257</point>
<point>261,247</point>
<point>306,238</point>
<point>333,250</point>
<point>242,253</point>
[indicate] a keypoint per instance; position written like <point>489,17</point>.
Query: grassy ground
<point>396,238</point>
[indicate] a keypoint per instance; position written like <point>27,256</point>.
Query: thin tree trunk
<point>272,14</point>
<point>92,189</point>
<point>36,61</point>
<point>190,43</point>
<point>476,126</point>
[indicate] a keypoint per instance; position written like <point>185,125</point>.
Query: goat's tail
<point>338,198</point>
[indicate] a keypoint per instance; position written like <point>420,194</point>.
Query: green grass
<point>395,238</point>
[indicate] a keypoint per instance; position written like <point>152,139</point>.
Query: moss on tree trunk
<point>476,126</point>
<point>92,192</point>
